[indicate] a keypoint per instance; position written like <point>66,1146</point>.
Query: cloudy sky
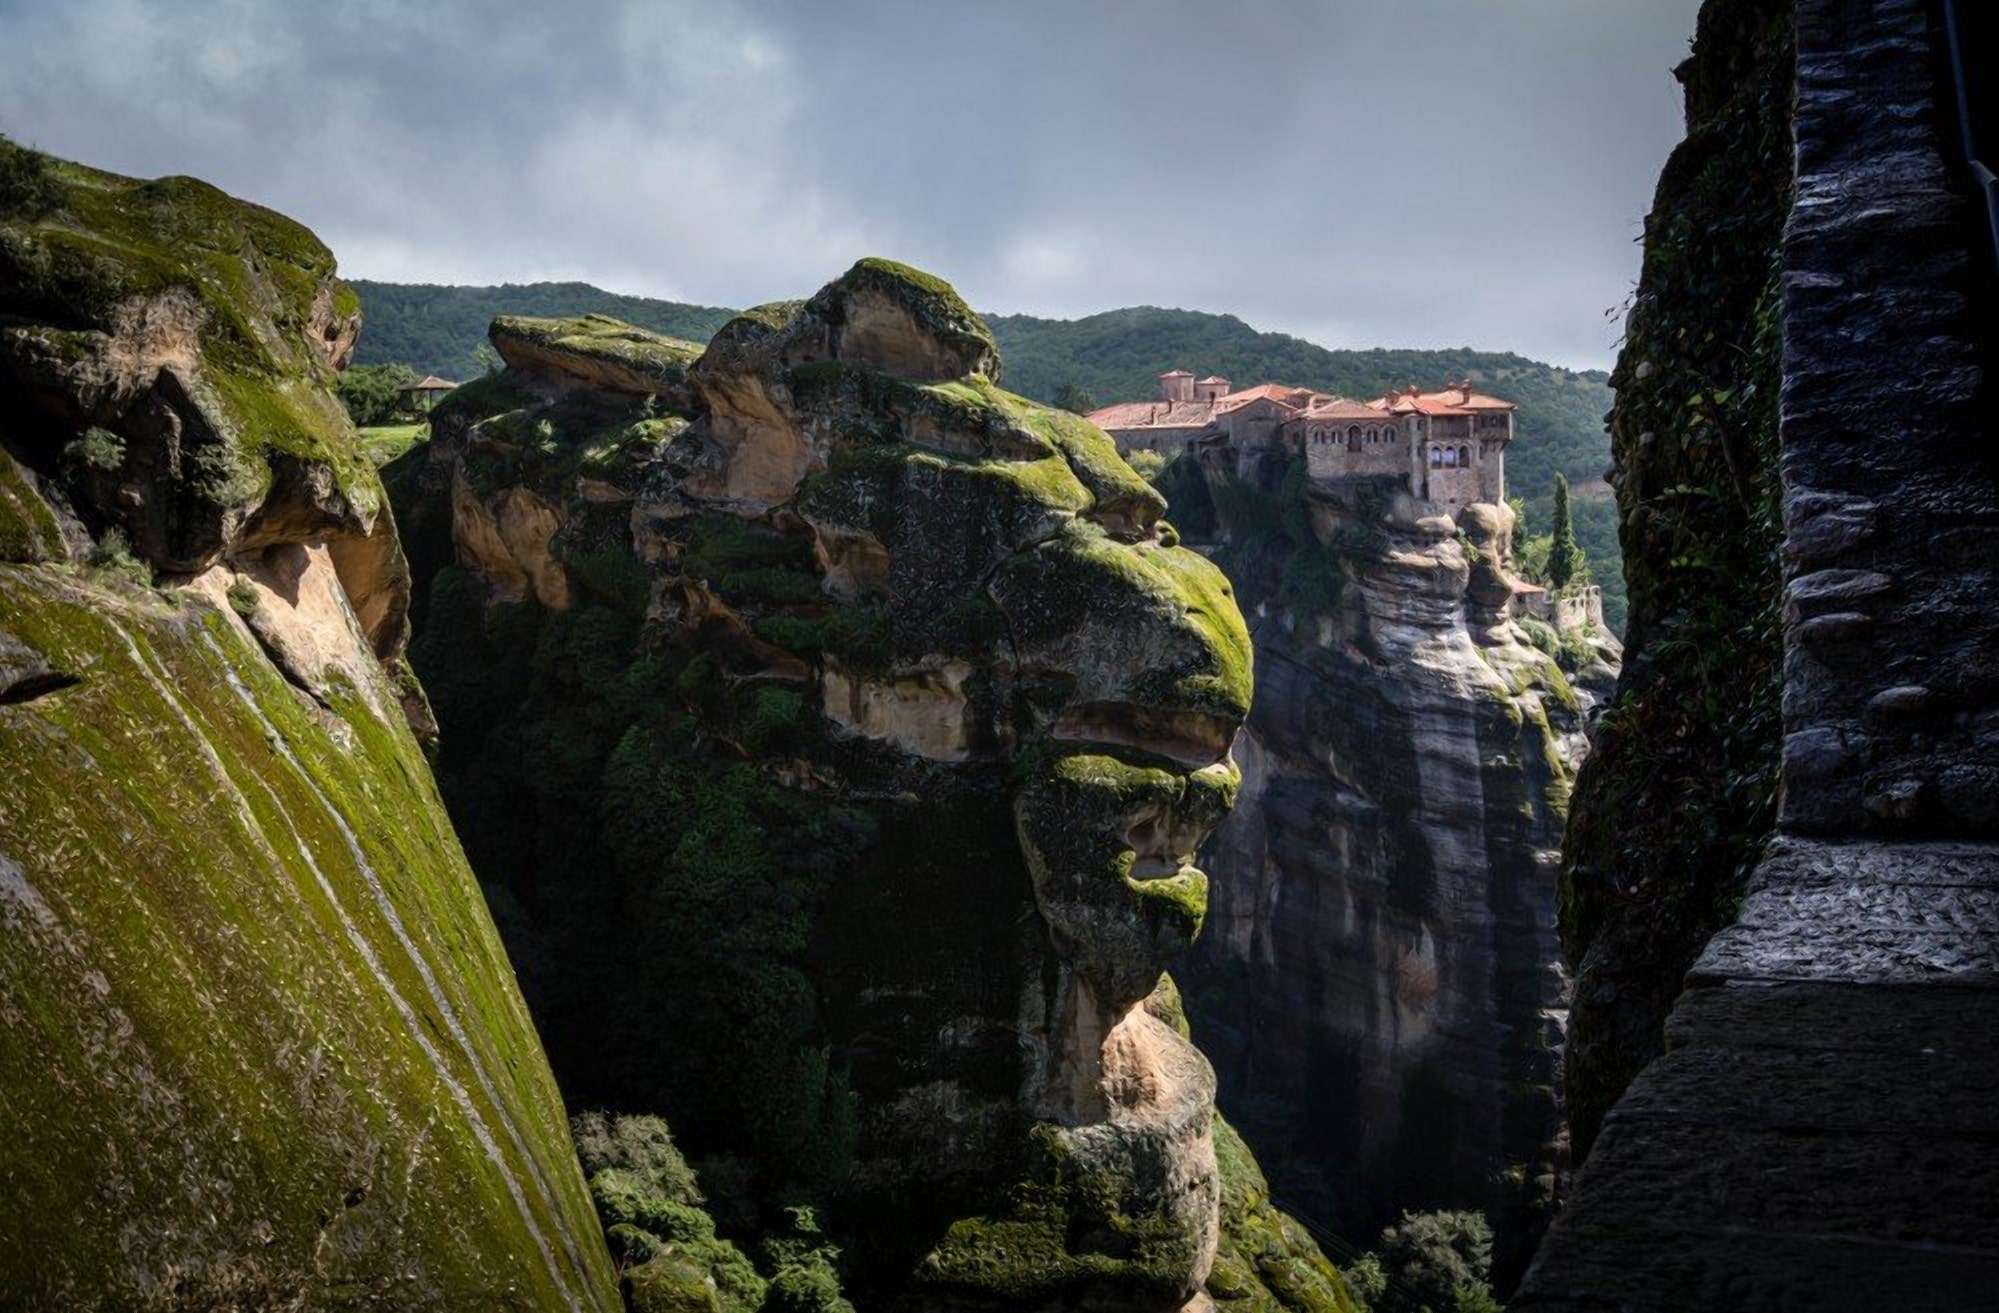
<point>1357,172</point>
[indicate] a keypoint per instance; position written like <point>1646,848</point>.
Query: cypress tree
<point>1565,559</point>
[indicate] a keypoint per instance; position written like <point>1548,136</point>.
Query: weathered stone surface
<point>913,661</point>
<point>260,1046</point>
<point>1886,423</point>
<point>1379,984</point>
<point>595,351</point>
<point>1670,812</point>
<point>1820,1130</point>
<point>1827,1094</point>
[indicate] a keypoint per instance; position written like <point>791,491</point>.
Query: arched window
<point>1464,456</point>
<point>1353,435</point>
<point>1436,459</point>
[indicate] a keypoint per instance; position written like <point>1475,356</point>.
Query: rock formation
<point>1673,808</point>
<point>1379,985</point>
<point>260,1045</point>
<point>1815,1130</point>
<point>835,731</point>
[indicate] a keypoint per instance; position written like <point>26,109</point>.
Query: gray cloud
<point>1423,172</point>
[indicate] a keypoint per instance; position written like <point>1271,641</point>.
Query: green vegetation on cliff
<point>800,676</point>
<point>249,962</point>
<point>1678,797</point>
<point>1114,356</point>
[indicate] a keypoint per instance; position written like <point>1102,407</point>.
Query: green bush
<point>1429,1263</point>
<point>28,186</point>
<point>98,449</point>
<point>244,598</point>
<point>372,393</point>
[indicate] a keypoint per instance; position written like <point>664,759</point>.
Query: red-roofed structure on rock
<point>1449,446</point>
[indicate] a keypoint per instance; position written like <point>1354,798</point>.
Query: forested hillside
<point>439,330</point>
<point>1114,356</point>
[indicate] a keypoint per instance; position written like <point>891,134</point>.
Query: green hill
<point>439,330</point>
<point>1114,356</point>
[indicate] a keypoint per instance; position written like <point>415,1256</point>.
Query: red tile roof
<point>1342,408</point>
<point>1282,394</point>
<point>1453,399</point>
<point>1154,415</point>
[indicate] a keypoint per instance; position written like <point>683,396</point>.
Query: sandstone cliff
<point>1673,808</point>
<point>1380,985</point>
<point>260,1045</point>
<point>835,731</point>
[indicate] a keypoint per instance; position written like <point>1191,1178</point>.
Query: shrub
<point>1429,1263</point>
<point>244,598</point>
<point>28,186</point>
<point>112,555</point>
<point>372,393</point>
<point>98,449</point>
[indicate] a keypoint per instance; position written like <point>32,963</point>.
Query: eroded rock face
<point>885,725</point>
<point>1380,985</point>
<point>261,1046</point>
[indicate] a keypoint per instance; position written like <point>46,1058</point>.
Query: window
<point>1353,436</point>
<point>1436,459</point>
<point>1464,456</point>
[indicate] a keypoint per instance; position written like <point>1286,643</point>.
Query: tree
<point>1073,398</point>
<point>1518,505</point>
<point>1565,559</point>
<point>372,393</point>
<point>1430,1263</point>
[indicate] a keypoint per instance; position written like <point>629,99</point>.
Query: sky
<point>1356,172</point>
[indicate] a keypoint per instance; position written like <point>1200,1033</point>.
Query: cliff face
<point>834,732</point>
<point>1379,986</point>
<point>260,1046</point>
<point>1827,1071</point>
<point>1673,808</point>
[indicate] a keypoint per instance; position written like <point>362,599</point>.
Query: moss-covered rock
<point>1379,968</point>
<point>203,332</point>
<point>595,351</point>
<point>860,813</point>
<point>1674,808</point>
<point>261,1047</point>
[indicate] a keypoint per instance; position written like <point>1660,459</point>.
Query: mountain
<point>1116,355</point>
<point>440,330</point>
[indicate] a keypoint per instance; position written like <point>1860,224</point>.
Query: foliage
<point>650,1205</point>
<point>372,393</point>
<point>1565,559</point>
<point>28,186</point>
<point>1074,363</point>
<point>441,330</point>
<point>1678,798</point>
<point>244,599</point>
<point>98,449</point>
<point>1074,399</point>
<point>674,885</point>
<point>1429,1263</point>
<point>112,554</point>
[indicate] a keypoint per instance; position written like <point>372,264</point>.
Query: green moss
<point>1265,1261</point>
<point>933,302</point>
<point>248,865</point>
<point>602,338</point>
<point>28,530</point>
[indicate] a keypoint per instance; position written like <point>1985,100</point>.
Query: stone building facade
<point>1449,446</point>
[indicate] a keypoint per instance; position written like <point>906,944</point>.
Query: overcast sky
<point>1357,172</point>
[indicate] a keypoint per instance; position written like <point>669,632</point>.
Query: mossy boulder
<point>262,1046</point>
<point>595,351</point>
<point>203,332</point>
<point>856,787</point>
